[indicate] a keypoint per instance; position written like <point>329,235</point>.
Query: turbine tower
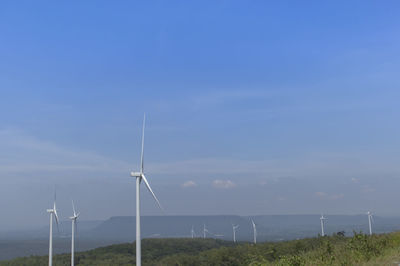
<point>322,224</point>
<point>73,220</point>
<point>254,232</point>
<point>192,232</point>
<point>53,212</point>
<point>370,222</point>
<point>139,177</point>
<point>204,231</point>
<point>234,227</point>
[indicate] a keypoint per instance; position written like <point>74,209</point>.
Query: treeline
<point>329,250</point>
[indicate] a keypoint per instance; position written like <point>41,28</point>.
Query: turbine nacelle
<point>136,174</point>
<point>74,217</point>
<point>53,212</point>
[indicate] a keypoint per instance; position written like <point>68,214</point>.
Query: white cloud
<point>225,184</point>
<point>337,196</point>
<point>321,194</point>
<point>22,153</point>
<point>189,183</point>
<point>308,165</point>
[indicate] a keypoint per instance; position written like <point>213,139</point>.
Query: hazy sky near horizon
<point>253,107</point>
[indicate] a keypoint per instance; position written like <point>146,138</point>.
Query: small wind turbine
<point>139,177</point>
<point>370,222</point>
<point>53,212</point>
<point>192,232</point>
<point>234,227</point>
<point>254,232</point>
<point>73,220</point>
<point>322,224</point>
<point>204,231</point>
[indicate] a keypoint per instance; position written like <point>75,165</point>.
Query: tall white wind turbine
<point>370,222</point>
<point>254,232</point>
<point>322,225</point>
<point>53,212</point>
<point>139,177</point>
<point>234,227</point>
<point>73,220</point>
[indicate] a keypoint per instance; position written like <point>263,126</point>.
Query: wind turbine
<point>73,219</point>
<point>53,212</point>
<point>139,177</point>
<point>204,231</point>
<point>370,222</point>
<point>322,224</point>
<point>254,232</point>
<point>192,232</point>
<point>234,227</point>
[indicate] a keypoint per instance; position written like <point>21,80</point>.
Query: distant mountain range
<point>121,229</point>
<point>269,227</point>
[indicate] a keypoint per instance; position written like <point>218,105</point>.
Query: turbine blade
<point>55,209</point>
<point>142,154</point>
<point>56,216</point>
<point>55,212</point>
<point>54,204</point>
<point>73,207</point>
<point>151,191</point>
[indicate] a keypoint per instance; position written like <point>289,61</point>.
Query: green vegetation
<point>331,250</point>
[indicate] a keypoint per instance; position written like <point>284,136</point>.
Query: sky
<point>252,107</point>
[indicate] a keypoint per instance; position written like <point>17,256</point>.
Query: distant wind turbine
<point>234,227</point>
<point>254,232</point>
<point>370,222</point>
<point>192,232</point>
<point>73,220</point>
<point>139,177</point>
<point>53,212</point>
<point>322,224</point>
<point>204,231</point>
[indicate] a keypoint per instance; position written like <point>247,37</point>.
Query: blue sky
<point>253,107</point>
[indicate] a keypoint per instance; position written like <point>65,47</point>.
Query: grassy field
<point>330,250</point>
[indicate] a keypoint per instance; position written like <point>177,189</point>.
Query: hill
<point>121,229</point>
<point>269,227</point>
<point>332,250</point>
